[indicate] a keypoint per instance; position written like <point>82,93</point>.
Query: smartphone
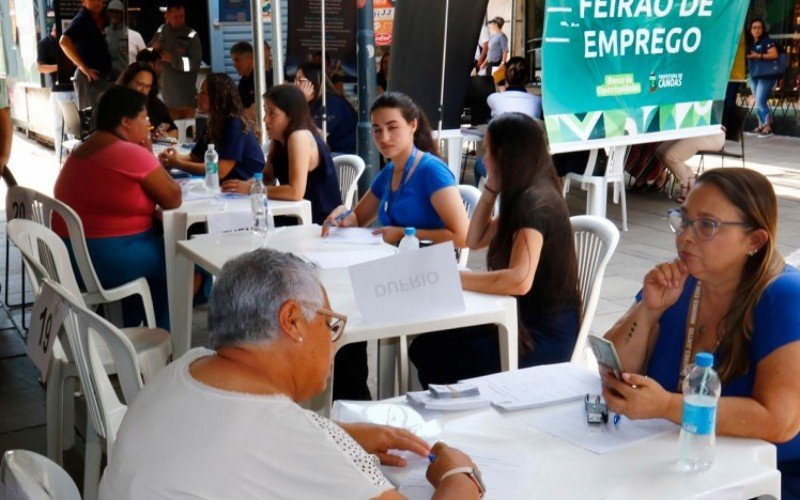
<point>606,354</point>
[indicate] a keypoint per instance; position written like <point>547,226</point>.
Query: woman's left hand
<point>147,143</point>
<point>636,396</point>
<point>379,439</point>
<point>391,234</point>
<point>236,186</point>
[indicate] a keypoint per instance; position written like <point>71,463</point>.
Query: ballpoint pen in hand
<point>339,218</point>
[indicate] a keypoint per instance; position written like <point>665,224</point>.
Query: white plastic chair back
<point>41,207</point>
<point>470,196</point>
<point>26,475</point>
<point>71,117</point>
<point>183,127</point>
<point>105,408</point>
<point>45,254</point>
<point>348,169</point>
<point>596,239</point>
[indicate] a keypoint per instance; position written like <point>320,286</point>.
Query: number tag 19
<point>47,317</point>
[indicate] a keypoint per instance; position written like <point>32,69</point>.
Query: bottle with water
<point>409,241</point>
<point>212,169</point>
<point>259,203</point>
<point>701,389</point>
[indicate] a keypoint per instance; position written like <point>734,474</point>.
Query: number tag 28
<point>47,316</point>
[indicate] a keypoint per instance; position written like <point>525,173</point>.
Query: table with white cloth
<point>176,225</point>
<point>211,253</point>
<point>555,468</point>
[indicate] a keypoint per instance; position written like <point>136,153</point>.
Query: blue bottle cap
<point>410,231</point>
<point>704,360</point>
<point>258,177</point>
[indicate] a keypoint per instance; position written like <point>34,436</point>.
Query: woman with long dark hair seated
<point>531,256</point>
<point>298,157</point>
<point>115,184</point>
<point>342,117</point>
<point>143,78</point>
<point>729,293</point>
<point>228,128</point>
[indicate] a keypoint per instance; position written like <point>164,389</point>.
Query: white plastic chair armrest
<point>139,287</point>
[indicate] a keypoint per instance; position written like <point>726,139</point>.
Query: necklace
<point>691,328</point>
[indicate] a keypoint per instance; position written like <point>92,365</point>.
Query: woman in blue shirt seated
<point>228,128</point>
<point>416,189</point>
<point>730,293</point>
<point>531,255</point>
<point>342,117</point>
<point>298,157</point>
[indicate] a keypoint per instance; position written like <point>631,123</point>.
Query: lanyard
<point>391,196</point>
<point>690,329</point>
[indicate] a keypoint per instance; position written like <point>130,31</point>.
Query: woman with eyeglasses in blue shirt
<point>730,293</point>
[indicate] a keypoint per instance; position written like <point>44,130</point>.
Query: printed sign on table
<point>410,285</point>
<point>651,69</point>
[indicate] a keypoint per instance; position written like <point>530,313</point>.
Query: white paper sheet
<point>538,386</point>
<point>394,289</point>
<point>337,260</point>
<point>229,221</point>
<point>570,424</point>
<point>353,235</point>
<point>504,475</point>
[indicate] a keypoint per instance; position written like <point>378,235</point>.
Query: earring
<point>300,339</point>
<point>751,252</point>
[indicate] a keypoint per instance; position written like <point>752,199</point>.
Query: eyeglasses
<point>336,326</point>
<point>703,228</point>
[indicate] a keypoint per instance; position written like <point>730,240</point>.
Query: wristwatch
<point>473,474</point>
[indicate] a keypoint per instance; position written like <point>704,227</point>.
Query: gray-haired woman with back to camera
<point>227,424</point>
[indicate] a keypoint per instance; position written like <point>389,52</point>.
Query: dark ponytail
<point>423,136</point>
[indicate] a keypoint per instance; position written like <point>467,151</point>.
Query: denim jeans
<point>761,89</point>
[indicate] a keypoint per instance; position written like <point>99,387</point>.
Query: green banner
<point>631,71</point>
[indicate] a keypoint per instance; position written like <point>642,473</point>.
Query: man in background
<point>181,54</point>
<point>498,46</point>
<point>84,43</point>
<point>242,58</point>
<point>48,52</point>
<point>123,42</point>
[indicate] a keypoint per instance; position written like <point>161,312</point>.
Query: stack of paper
<point>426,401</point>
<point>538,386</point>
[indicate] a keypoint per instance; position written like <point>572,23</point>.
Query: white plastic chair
<point>183,128</point>
<point>71,120</point>
<point>46,256</point>
<point>26,475</point>
<point>597,186</point>
<point>596,239</point>
<point>40,210</point>
<point>470,196</point>
<point>348,169</point>
<point>105,410</point>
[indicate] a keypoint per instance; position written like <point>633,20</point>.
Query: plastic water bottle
<point>701,389</point>
<point>409,241</point>
<point>259,203</point>
<point>212,169</point>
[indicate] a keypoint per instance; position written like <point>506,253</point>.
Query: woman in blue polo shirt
<point>416,189</point>
<point>730,293</point>
<point>228,128</point>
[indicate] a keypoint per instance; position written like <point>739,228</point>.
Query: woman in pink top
<point>114,182</point>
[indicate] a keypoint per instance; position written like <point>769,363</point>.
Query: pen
<point>617,418</point>
<point>431,457</point>
<point>340,217</point>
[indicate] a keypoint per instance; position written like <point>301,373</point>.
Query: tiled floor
<point>22,408</point>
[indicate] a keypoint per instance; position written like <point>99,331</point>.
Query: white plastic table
<point>176,224</point>
<point>647,470</point>
<point>211,253</point>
